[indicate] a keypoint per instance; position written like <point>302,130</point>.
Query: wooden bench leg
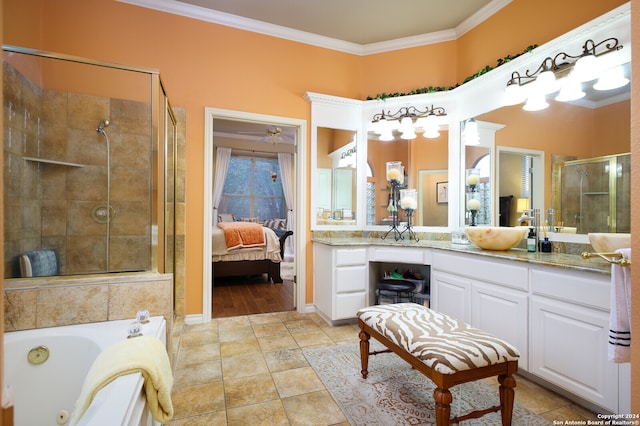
<point>443,400</point>
<point>364,353</point>
<point>507,383</point>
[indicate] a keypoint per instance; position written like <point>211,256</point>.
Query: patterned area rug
<point>396,394</point>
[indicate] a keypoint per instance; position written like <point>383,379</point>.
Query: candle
<point>473,204</point>
<point>473,179</point>
<point>394,174</point>
<point>408,203</point>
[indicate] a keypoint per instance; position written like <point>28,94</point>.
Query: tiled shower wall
<point>180,201</point>
<point>50,205</point>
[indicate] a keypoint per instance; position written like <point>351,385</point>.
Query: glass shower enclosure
<point>596,194</point>
<point>88,166</point>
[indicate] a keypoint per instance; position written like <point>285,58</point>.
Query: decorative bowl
<point>496,237</point>
<point>604,242</point>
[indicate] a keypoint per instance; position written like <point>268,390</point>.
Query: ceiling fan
<point>274,135</point>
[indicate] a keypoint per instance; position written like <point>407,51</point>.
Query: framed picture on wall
<point>442,192</point>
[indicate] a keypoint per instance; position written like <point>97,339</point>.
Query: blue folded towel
<point>39,263</point>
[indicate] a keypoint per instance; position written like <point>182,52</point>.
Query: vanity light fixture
<point>348,158</point>
<point>565,73</point>
<point>408,120</point>
<point>470,133</point>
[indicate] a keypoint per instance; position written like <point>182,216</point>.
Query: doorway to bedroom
<point>254,181</point>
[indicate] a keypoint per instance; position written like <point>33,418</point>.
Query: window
<point>252,188</point>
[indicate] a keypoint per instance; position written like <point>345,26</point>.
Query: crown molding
<point>234,21</point>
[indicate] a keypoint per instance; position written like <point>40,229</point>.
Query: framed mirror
<point>426,164</point>
<point>335,190</point>
<point>570,159</point>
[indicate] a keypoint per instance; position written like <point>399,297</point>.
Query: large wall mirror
<point>426,162</point>
<point>570,160</point>
<point>572,157</point>
<point>583,153</point>
<point>335,175</point>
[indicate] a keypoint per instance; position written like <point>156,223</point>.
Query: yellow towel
<point>143,354</point>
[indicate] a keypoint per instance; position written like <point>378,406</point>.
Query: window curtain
<point>223,156</point>
<point>285,161</point>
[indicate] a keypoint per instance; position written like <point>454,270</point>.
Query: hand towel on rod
<point>620,316</point>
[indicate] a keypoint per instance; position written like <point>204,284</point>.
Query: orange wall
<point>408,69</point>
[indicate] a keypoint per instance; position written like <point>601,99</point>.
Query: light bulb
<point>571,90</point>
<point>513,94</point>
<point>547,82</point>
<point>535,102</point>
<point>611,79</point>
<point>586,68</point>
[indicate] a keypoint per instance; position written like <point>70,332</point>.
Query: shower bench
<point>447,351</point>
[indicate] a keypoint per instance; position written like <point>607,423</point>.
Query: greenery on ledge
<point>433,89</point>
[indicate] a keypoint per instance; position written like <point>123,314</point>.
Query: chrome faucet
<point>525,218</point>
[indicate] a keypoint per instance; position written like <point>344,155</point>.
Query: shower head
<point>102,125</point>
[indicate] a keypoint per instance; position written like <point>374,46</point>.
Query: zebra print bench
<point>447,351</point>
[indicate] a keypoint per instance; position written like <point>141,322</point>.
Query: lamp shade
<point>522,204</point>
<point>571,90</point>
<point>611,79</point>
<point>514,94</point>
<point>535,102</point>
<point>586,68</point>
<point>547,83</point>
<point>471,134</point>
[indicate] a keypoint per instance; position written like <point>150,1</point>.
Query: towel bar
<point>609,257</point>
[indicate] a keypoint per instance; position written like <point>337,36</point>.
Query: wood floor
<point>235,296</point>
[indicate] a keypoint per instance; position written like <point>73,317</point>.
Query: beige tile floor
<point>250,370</point>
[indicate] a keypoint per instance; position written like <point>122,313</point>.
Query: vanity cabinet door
<point>569,349</point>
<point>504,313</point>
<point>340,281</point>
<point>451,295</point>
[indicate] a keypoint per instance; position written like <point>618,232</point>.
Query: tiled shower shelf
<point>45,161</point>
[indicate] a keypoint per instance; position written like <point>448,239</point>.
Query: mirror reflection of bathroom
<point>596,194</point>
<point>335,194</point>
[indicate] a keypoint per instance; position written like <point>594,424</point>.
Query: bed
<point>242,261</point>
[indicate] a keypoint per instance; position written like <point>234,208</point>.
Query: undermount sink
<point>605,242</point>
<point>496,237</point>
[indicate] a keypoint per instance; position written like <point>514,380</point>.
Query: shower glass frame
<point>613,191</point>
<point>161,149</point>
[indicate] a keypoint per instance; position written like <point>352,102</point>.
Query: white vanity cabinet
<point>340,280</point>
<point>569,334</point>
<point>451,295</point>
<point>488,294</point>
<point>557,318</point>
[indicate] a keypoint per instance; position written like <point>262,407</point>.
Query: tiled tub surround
<point>49,205</point>
<point>57,301</point>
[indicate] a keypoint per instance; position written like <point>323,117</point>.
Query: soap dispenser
<point>545,246</point>
<point>531,241</point>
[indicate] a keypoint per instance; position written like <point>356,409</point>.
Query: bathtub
<point>46,393</point>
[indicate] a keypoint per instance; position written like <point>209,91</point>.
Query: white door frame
<point>300,213</point>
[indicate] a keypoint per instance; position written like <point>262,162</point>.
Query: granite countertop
<point>561,260</point>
